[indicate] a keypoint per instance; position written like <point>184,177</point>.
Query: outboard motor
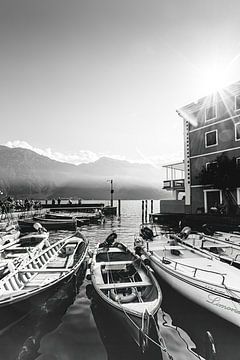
<point>109,240</point>
<point>39,228</point>
<point>185,232</point>
<point>146,233</point>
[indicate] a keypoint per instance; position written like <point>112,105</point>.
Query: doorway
<point>212,197</point>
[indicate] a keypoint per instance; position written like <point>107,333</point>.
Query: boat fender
<point>145,260</point>
<point>123,298</point>
<point>88,274</point>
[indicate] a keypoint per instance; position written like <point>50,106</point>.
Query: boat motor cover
<point>185,232</point>
<point>146,233</point>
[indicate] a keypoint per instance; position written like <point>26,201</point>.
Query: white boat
<point>9,234</point>
<point>15,252</point>
<point>127,288</point>
<point>198,276</point>
<point>222,249</point>
<point>233,238</point>
<point>46,270</point>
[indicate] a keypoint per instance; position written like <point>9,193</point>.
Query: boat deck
<point>191,263</point>
<point>50,265</point>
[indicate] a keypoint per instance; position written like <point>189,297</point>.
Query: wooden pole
<point>119,207</point>
<point>142,211</point>
<point>151,206</point>
<point>146,210</point>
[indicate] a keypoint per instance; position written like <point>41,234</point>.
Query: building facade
<point>211,129</point>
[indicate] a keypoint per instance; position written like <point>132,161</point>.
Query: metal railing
<point>172,184</point>
<point>195,269</point>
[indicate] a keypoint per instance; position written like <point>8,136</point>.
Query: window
<point>237,131</point>
<point>211,166</point>
<point>211,138</point>
<point>237,102</point>
<point>211,112</point>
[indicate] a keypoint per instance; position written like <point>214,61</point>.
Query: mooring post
<point>119,207</point>
<point>146,210</point>
<point>142,211</point>
<point>112,191</point>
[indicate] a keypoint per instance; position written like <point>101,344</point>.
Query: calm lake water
<point>69,326</point>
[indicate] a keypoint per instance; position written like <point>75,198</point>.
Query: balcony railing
<point>173,184</point>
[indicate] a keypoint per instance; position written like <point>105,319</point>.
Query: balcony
<point>177,184</point>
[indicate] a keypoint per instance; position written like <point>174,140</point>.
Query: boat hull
<point>27,226</point>
<point>130,321</point>
<point>204,295</point>
<point>15,309</point>
<point>15,304</point>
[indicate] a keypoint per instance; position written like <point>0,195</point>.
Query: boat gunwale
<point>189,280</point>
<point>120,306</point>
<point>24,293</point>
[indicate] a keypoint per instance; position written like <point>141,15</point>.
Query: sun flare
<point>212,78</point>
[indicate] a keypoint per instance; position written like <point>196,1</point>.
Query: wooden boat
<point>127,288</point>
<point>44,272</point>
<point>80,218</point>
<point>220,248</point>
<point>10,234</point>
<point>198,276</point>
<point>26,225</point>
<point>15,252</point>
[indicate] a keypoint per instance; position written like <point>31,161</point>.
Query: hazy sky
<point>83,78</point>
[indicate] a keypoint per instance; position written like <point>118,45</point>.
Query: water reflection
<point>22,341</point>
<point>77,336</point>
<point>196,321</point>
<point>63,327</point>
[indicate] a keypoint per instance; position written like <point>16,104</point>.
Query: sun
<point>212,78</point>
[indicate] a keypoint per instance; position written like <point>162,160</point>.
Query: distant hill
<point>24,173</point>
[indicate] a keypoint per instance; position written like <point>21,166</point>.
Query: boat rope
<point>161,344</point>
<point>233,297</point>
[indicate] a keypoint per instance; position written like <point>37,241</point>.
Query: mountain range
<point>24,173</point>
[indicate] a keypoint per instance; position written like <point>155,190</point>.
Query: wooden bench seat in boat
<point>44,270</point>
<point>124,285</point>
<point>115,265</point>
<point>116,262</point>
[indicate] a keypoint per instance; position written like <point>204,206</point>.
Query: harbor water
<point>69,325</point>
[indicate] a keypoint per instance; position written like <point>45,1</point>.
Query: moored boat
<point>15,252</point>
<point>222,249</point>
<point>10,234</point>
<point>49,224</point>
<point>45,271</point>
<point>125,285</point>
<point>196,275</point>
